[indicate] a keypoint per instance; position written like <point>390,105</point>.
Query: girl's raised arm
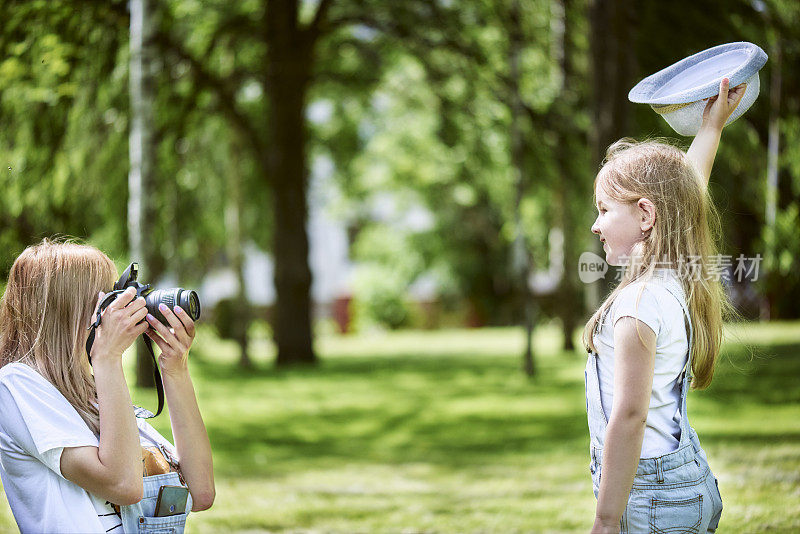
<point>705,144</point>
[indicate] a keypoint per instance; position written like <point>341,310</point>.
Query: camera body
<point>174,296</point>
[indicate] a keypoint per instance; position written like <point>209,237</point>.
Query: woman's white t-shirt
<point>36,424</point>
<point>660,310</point>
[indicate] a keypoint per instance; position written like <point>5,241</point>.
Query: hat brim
<point>686,119</point>
<point>698,76</point>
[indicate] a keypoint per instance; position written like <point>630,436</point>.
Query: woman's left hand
<point>174,344</point>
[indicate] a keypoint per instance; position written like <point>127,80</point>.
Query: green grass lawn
<point>441,432</point>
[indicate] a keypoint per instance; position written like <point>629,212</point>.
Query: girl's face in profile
<point>618,225</point>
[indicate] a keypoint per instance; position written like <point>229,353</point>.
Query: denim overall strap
<point>596,416</point>
<point>156,439</point>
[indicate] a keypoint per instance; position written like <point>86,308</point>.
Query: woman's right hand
<point>123,321</point>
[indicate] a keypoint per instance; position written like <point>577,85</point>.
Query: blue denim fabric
<point>673,493</point>
<point>138,518</point>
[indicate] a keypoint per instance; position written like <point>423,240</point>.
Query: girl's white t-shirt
<point>661,311</point>
<point>36,424</point>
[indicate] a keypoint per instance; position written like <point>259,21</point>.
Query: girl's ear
<point>647,214</point>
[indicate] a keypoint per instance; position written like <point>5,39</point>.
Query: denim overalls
<point>676,492</point>
<point>138,518</point>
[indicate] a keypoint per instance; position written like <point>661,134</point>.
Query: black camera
<point>174,296</point>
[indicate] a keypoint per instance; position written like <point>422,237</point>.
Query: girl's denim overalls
<point>138,518</point>
<point>676,492</point>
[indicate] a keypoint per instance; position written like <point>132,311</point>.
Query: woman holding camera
<point>72,453</point>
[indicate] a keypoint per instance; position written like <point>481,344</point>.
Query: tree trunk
<point>569,308</point>
<point>612,45</point>
<point>768,304</point>
<point>521,257</point>
<point>287,80</point>
<point>233,216</point>
<point>141,141</point>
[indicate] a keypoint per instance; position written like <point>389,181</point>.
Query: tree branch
<point>318,25</point>
<point>225,95</point>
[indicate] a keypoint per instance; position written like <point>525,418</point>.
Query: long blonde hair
<point>45,311</point>
<point>684,237</point>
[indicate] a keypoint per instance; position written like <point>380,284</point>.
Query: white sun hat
<point>679,93</point>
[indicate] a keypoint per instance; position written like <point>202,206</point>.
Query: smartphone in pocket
<point>171,500</point>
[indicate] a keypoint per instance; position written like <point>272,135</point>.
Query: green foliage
<point>379,297</point>
<point>55,116</point>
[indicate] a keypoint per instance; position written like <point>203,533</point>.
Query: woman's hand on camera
<point>123,321</point>
<point>174,344</point>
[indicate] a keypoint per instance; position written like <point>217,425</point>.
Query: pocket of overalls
<point>140,517</point>
<point>676,516</point>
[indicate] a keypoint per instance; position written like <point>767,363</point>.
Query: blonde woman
<point>71,449</point>
<point>658,332</point>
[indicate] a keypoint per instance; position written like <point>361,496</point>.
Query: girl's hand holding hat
<point>715,115</point>
<point>720,107</point>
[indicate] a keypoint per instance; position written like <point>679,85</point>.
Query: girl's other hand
<point>174,344</point>
<point>720,107</point>
<point>600,527</point>
<point>123,321</point>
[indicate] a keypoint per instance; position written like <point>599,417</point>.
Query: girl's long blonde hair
<point>47,306</point>
<point>684,237</point>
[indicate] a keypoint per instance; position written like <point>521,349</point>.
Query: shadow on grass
<point>406,439</point>
<point>448,411</point>
<point>434,367</point>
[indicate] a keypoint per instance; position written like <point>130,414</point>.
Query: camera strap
<point>156,375</point>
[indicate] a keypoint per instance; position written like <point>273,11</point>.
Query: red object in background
<point>475,318</point>
<point>341,313</point>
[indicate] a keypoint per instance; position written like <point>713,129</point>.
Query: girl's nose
<point>595,228</point>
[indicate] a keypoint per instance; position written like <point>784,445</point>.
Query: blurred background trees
<point>449,131</point>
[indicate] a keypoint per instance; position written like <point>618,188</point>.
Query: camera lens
<point>174,296</point>
<point>189,301</point>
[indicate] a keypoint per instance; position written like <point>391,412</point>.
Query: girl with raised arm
<point>656,334</point>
